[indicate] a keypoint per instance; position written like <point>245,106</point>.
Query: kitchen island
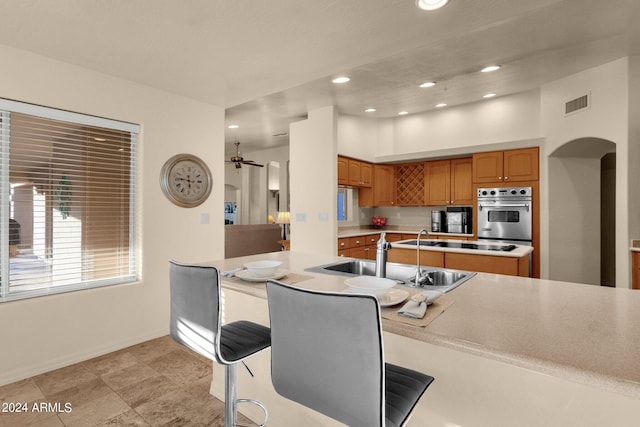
<point>469,255</point>
<point>508,351</point>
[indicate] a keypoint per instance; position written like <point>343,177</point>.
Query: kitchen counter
<point>518,252</point>
<point>411,229</point>
<point>574,339</point>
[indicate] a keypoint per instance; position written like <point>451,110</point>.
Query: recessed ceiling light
<point>489,95</point>
<point>490,68</point>
<point>339,80</point>
<point>442,104</point>
<point>370,110</point>
<point>402,113</point>
<point>431,4</point>
<point>99,139</point>
<point>428,84</point>
<point>233,126</point>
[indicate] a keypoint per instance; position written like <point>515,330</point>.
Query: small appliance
<point>438,224</point>
<point>459,219</point>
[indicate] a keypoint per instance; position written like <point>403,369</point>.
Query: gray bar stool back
<point>196,323</point>
<point>327,354</point>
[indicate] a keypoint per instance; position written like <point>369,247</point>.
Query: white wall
<point>574,220</point>
<point>314,180</point>
<point>44,333</point>
<point>357,137</point>
<point>608,119</point>
<point>465,128</point>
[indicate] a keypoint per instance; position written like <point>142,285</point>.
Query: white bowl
<point>370,285</point>
<point>265,268</point>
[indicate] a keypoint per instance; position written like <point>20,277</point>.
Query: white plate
<point>393,297</point>
<point>250,277</point>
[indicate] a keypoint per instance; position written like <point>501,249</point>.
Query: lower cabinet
<point>459,261</point>
<point>635,276</point>
<point>408,256</point>
<point>362,247</point>
<point>488,264</point>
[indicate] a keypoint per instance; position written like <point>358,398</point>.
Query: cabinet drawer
<point>358,241</point>
<point>393,237</point>
<point>372,239</point>
<point>343,243</point>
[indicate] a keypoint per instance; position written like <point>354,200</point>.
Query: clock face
<point>186,180</point>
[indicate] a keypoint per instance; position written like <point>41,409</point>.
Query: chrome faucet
<point>381,256</point>
<point>420,279</point>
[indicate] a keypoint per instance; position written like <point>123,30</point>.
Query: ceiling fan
<point>238,160</point>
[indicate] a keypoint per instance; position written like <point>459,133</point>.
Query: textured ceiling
<point>268,62</point>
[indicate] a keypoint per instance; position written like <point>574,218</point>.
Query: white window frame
<point>6,108</point>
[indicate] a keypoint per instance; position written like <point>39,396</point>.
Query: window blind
<point>70,188</point>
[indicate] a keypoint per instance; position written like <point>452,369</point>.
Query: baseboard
<point>8,377</point>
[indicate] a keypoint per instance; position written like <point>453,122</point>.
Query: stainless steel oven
<point>505,214</point>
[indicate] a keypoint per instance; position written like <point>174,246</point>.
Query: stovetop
<point>463,245</point>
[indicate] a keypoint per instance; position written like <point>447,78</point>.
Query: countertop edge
<point>566,372</point>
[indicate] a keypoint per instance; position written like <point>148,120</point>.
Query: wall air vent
<point>577,104</point>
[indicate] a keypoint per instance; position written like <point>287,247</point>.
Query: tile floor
<point>155,383</point>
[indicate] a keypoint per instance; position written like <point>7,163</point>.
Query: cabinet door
<point>383,185</point>
<point>343,243</point>
<point>343,171</point>
<point>635,277</point>
<point>410,184</point>
<point>359,252</point>
<point>487,167</point>
<point>521,165</point>
<point>354,172</point>
<point>439,183</point>
<point>366,174</point>
<point>461,182</point>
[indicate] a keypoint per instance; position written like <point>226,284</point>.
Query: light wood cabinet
<point>354,173</point>
<point>635,276</point>
<point>359,173</point>
<point>488,264</point>
<point>506,166</point>
<point>449,182</point>
<point>521,165</point>
<point>343,171</point>
<point>408,256</point>
<point>383,185</point>
<point>459,261</point>
<point>410,180</point>
<point>362,247</point>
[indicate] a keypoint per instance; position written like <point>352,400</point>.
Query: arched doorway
<point>582,212</point>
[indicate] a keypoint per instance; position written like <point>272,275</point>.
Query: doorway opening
<point>582,201</point>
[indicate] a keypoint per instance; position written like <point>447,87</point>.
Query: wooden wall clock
<point>186,180</point>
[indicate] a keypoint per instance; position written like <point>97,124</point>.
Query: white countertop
<point>355,231</point>
<point>581,333</point>
<point>518,252</point>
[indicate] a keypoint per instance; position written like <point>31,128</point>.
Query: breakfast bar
<point>507,350</point>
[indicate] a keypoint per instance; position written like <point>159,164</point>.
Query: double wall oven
<point>505,215</point>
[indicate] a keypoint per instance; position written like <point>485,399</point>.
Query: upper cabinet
<point>383,189</point>
<point>410,184</point>
<point>343,171</point>
<point>354,173</point>
<point>449,182</point>
<point>506,166</point>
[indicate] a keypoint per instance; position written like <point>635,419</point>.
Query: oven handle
<point>504,205</point>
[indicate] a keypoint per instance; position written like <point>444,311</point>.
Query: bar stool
<point>327,354</point>
<point>196,324</point>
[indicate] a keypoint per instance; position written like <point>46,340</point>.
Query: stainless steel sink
<point>438,278</point>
